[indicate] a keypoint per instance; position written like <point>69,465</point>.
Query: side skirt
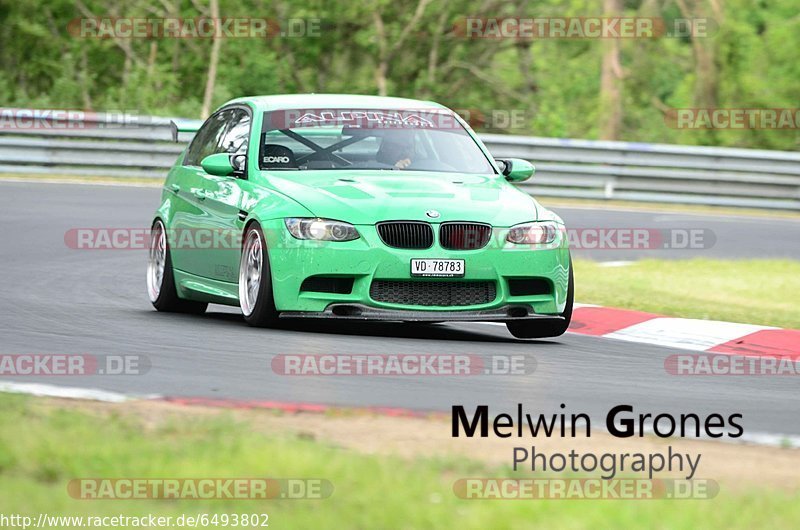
<point>201,289</point>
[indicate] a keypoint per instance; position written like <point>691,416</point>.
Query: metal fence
<point>141,147</point>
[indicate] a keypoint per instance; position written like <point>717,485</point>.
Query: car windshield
<point>398,140</point>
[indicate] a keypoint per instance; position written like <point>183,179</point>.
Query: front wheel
<point>531,329</point>
<point>160,277</point>
<point>255,281</point>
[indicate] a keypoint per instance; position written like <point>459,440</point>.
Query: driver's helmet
<point>395,146</point>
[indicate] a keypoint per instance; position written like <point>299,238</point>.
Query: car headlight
<point>321,229</point>
<point>533,233</point>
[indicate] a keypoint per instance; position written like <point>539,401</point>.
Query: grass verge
<point>42,448</point>
<point>751,291</point>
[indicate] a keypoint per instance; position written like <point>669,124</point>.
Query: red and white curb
<point>685,333</point>
<point>66,392</point>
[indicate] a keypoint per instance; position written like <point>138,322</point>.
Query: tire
<point>161,279</point>
<point>531,329</point>
<point>255,280</point>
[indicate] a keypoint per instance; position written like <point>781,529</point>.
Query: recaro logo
<point>276,159</point>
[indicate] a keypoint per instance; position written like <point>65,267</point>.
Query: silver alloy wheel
<point>157,260</point>
<point>250,271</point>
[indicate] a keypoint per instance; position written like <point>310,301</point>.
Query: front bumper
<point>362,312</point>
<point>367,259</point>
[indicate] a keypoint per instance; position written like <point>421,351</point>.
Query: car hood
<point>368,197</point>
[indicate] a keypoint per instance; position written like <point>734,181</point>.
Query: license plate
<point>437,267</point>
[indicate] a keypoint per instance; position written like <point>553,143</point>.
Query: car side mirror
<point>516,169</point>
<point>218,164</point>
<point>239,163</point>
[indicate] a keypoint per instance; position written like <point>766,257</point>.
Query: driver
<point>396,150</point>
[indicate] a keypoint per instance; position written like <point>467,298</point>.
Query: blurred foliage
<point>552,84</point>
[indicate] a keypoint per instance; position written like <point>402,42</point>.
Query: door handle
<point>200,194</point>
<point>175,188</point>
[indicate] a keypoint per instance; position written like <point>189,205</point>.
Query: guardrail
<point>141,146</point>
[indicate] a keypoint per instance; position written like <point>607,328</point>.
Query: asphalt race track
<point>723,236</point>
<point>60,300</point>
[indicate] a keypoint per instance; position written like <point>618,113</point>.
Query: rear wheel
<point>531,329</point>
<point>255,281</point>
<point>160,277</point>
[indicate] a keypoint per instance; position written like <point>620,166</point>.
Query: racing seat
<point>277,156</point>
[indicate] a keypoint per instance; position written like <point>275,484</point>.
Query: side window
<point>237,134</point>
<point>207,141</point>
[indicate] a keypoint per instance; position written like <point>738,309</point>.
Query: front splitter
<point>507,313</point>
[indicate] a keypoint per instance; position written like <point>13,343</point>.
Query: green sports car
<point>359,208</point>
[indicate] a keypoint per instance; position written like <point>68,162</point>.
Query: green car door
<point>206,222</point>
